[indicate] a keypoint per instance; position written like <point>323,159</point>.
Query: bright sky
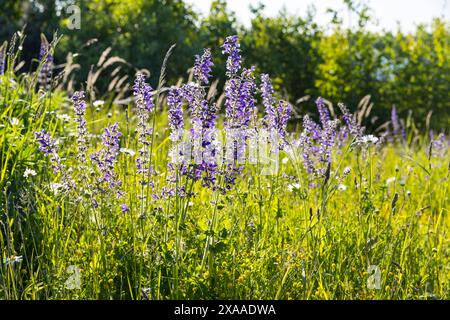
<point>408,13</point>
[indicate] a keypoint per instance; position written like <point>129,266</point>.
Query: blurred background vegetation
<point>408,70</point>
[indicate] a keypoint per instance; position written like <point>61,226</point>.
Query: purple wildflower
<point>306,143</point>
<point>239,100</point>
<point>46,61</point>
<point>276,119</point>
<point>203,67</point>
<point>202,135</point>
<point>341,137</point>
<point>268,99</point>
<point>194,161</point>
<point>324,113</point>
<point>350,122</point>
<point>439,145</point>
<point>3,57</point>
<point>106,158</point>
<point>167,192</point>
<point>46,143</point>
<point>80,110</point>
<point>312,128</point>
<point>203,131</point>
<point>48,146</point>
<point>317,142</point>
<point>143,93</point>
<point>206,142</point>
<point>239,108</point>
<point>175,109</point>
<point>231,48</point>
<point>124,208</point>
<point>176,124</point>
<point>347,171</point>
<point>397,129</point>
<point>283,114</point>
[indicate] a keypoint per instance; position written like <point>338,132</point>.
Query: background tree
<point>337,61</point>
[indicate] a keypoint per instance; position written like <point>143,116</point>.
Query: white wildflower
<point>390,180</point>
<point>29,172</point>
<point>370,139</point>
<point>14,122</point>
<point>367,140</point>
<point>294,186</point>
<point>129,152</point>
<point>342,187</point>
<point>64,117</point>
<point>12,260</point>
<point>98,103</point>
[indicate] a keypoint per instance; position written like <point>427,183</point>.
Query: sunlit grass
<point>269,237</point>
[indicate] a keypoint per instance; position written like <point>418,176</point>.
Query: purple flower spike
<point>46,60</point>
<point>46,143</point>
<point>276,119</point>
<point>284,111</point>
<point>317,141</point>
<point>194,160</point>
<point>231,48</point>
<point>397,129</point>
<point>267,95</point>
<point>143,93</point>
<point>79,106</point>
<point>176,124</point>
<point>3,57</point>
<point>324,113</point>
<point>239,100</point>
<point>439,145</point>
<point>175,110</point>
<point>106,158</point>
<point>144,107</point>
<point>351,124</point>
<point>48,146</point>
<point>203,67</point>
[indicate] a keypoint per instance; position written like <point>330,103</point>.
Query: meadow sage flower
<point>203,67</point>
<point>351,124</point>
<point>48,146</point>
<point>439,145</point>
<point>3,57</point>
<point>79,106</point>
<point>231,48</point>
<point>106,158</point>
<point>46,62</point>
<point>317,141</point>
<point>276,118</point>
<point>397,129</point>
<point>143,93</point>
